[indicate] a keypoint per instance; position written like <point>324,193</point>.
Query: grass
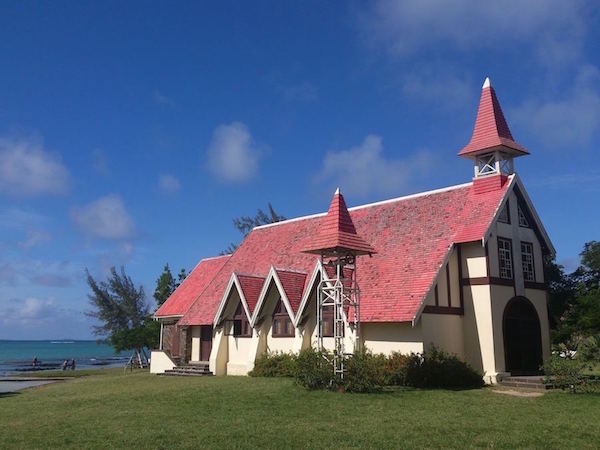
<point>140,410</point>
<point>70,373</point>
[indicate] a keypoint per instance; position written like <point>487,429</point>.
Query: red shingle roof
<point>251,286</point>
<point>293,285</point>
<point>337,233</point>
<point>193,285</point>
<point>412,235</point>
<point>491,129</point>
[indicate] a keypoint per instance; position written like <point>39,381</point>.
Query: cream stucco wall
<point>444,331</point>
<point>387,338</point>
<point>195,355</point>
<point>160,362</point>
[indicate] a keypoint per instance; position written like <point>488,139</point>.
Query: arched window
<point>282,324</point>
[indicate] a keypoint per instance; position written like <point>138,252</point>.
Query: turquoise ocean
<point>17,356</point>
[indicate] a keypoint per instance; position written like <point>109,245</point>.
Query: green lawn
<point>142,410</point>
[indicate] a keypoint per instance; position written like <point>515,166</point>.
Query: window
<point>241,325</point>
<point>504,216</point>
<point>505,258</point>
<point>282,324</point>
<point>327,321</point>
<point>527,258</point>
<point>523,222</point>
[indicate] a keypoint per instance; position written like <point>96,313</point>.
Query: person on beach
<point>35,361</point>
<point>64,364</point>
<point>72,364</point>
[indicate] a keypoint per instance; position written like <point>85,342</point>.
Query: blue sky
<point>132,133</point>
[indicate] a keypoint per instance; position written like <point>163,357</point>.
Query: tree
<point>580,322</point>
<point>165,285</point>
<point>182,275</point>
<point>245,224</point>
<point>561,291</point>
<point>122,310</point>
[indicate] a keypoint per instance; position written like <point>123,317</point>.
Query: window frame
<point>524,221</point>
<point>523,263</point>
<point>281,316</point>
<point>327,317</point>
<point>507,209</point>
<point>510,258</point>
<point>241,324</point>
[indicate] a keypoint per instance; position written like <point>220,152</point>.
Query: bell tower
<point>492,147</point>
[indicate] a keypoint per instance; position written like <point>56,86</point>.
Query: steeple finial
<point>492,145</point>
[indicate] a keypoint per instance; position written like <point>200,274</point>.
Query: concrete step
<point>525,382</point>
<point>192,369</point>
<point>174,373</point>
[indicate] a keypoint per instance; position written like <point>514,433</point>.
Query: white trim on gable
<point>432,285</point>
<point>233,280</point>
<point>271,277</point>
<point>318,270</point>
<point>515,180</point>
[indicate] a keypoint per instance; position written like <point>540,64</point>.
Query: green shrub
<point>365,372</point>
<point>438,369</point>
<point>274,365</point>
<point>395,369</point>
<point>569,374</point>
<point>314,369</point>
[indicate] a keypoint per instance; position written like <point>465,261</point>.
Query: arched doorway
<point>522,337</point>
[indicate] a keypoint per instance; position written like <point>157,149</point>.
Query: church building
<point>458,268</point>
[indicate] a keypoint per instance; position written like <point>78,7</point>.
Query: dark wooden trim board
<point>536,285</point>
<point>430,309</point>
<point>460,276</point>
<point>479,281</point>
<point>448,290</point>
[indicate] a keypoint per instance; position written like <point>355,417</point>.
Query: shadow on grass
<point>8,394</point>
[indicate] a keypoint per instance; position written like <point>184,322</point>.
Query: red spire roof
<point>337,233</point>
<point>491,129</point>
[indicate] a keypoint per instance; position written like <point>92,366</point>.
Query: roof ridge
<point>250,275</point>
<point>290,270</point>
<point>368,205</point>
<point>208,258</point>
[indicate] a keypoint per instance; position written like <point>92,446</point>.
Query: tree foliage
<point>122,310</point>
<point>166,284</point>
<point>578,328</point>
<point>245,224</point>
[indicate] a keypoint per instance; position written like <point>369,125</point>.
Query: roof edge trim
<point>368,205</point>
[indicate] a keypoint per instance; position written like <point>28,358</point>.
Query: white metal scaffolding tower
<point>341,293</point>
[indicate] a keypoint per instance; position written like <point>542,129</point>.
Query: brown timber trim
<point>448,290</point>
<point>480,281</point>
<point>460,287</point>
<point>536,285</point>
<point>487,260</point>
<point>437,297</point>
<point>429,309</point>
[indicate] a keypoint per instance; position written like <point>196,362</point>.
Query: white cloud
<point>35,238</point>
<point>169,183</point>
<point>27,310</point>
<point>18,218</point>
<point>232,153</point>
<point>27,169</point>
<point>303,92</point>
<point>162,99</point>
<point>100,161</point>
<point>570,118</point>
<point>106,218</point>
<point>363,170</point>
<point>553,29</point>
<point>442,89</point>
